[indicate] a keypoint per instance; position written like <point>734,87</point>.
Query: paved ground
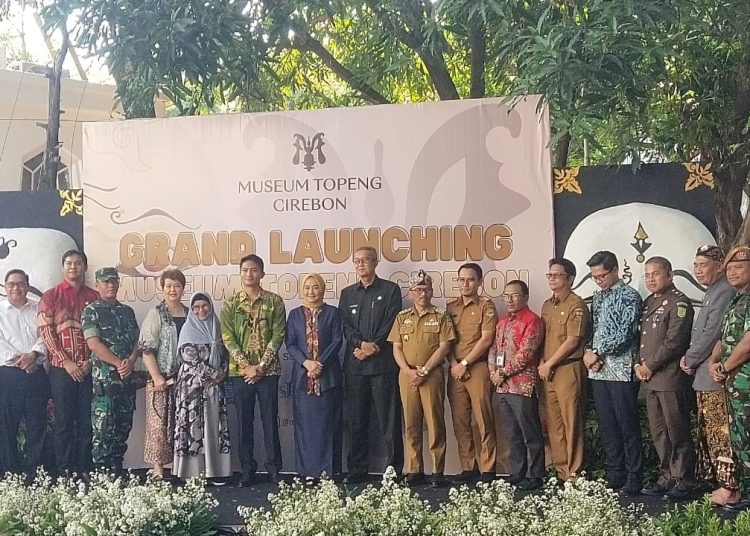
<point>230,497</point>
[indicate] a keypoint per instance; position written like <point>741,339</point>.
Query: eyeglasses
<point>365,260</point>
<point>421,290</point>
<point>513,296</point>
<point>599,278</point>
<point>12,285</point>
<point>556,275</point>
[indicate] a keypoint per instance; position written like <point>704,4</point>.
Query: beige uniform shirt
<point>420,336</point>
<point>562,319</point>
<point>470,320</point>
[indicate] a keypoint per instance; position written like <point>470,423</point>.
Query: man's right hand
<point>458,371</point>
<point>591,360</point>
<point>74,371</point>
<point>160,384</point>
<point>684,366</point>
<point>251,373</point>
<point>369,348</point>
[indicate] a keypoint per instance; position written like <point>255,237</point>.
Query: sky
<point>22,22</point>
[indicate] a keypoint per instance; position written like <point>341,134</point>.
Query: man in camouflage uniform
<point>665,335</point>
<point>730,360</point>
<point>111,333</point>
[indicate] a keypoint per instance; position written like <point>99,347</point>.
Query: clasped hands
<point>642,372</point>
<point>26,362</point>
<point>314,368</point>
<point>366,350</point>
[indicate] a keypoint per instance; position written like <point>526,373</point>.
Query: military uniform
<point>666,324</point>
<point>420,336</point>
<point>113,402</point>
<point>565,392</point>
<point>473,394</point>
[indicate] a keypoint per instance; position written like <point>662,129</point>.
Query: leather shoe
<point>487,477</point>
<point>355,478</point>
<point>655,490</point>
<point>415,479</point>
<point>246,481</point>
<point>464,477</point>
<point>742,504</point>
<point>437,481</point>
<point>679,492</point>
<point>530,484</point>
<point>630,491</point>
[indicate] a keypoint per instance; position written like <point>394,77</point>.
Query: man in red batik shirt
<point>513,362</point>
<point>70,371</point>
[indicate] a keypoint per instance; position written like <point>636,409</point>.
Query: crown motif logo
<point>640,244</point>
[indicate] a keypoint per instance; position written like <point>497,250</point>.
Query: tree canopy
<point>629,78</point>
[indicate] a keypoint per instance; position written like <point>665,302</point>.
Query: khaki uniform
<point>565,393</point>
<point>420,336</point>
<point>473,395</point>
<point>666,324</point>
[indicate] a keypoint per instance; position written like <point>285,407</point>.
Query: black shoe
<point>215,482</point>
<point>679,492</point>
<point>530,484</point>
<point>438,481</point>
<point>355,478</point>
<point>274,477</point>
<point>464,477</point>
<point>415,479</point>
<point>513,480</point>
<point>655,490</point>
<point>630,490</point>
<point>487,477</point>
<point>742,504</point>
<point>247,480</point>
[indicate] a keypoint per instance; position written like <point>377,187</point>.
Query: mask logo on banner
<point>5,247</point>
<point>308,145</point>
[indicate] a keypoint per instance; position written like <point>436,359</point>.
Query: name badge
<point>500,358</point>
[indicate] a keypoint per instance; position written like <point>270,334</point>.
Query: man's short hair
<point>72,252</point>
<point>254,259</point>
<point>371,251</point>
<point>174,275</point>
<point>17,271</point>
<point>524,287</point>
<point>661,261</point>
<point>568,266</point>
<point>471,266</point>
<point>605,259</point>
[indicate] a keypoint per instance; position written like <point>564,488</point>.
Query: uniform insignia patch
<point>681,311</point>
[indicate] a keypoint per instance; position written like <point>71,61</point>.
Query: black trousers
<point>522,428</point>
<point>266,391</point>
<point>22,397</point>
<point>620,429</point>
<point>381,393</point>
<point>72,428</point>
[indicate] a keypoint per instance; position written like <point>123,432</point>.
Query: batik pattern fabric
<point>714,449</point>
<point>615,314</point>
<point>737,385</point>
<point>253,331</point>
<point>519,337</point>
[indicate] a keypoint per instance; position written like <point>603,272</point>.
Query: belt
<point>568,361</point>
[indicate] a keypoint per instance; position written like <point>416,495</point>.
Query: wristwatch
<point>464,363</point>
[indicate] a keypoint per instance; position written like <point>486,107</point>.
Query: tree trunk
<point>478,57</point>
<point>727,200</point>
<point>51,162</point>
<point>560,151</point>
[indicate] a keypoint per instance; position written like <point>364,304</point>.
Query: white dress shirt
<point>18,332</point>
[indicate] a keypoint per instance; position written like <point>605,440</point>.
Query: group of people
<point>80,346</point>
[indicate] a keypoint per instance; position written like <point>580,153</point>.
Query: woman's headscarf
<point>196,331</point>
<point>319,302</point>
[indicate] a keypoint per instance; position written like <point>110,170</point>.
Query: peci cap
<point>106,274</point>
<point>419,279</point>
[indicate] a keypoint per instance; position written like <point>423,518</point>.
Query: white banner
<point>429,186</point>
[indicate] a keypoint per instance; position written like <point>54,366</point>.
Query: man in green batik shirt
<point>111,333</point>
<point>253,324</point>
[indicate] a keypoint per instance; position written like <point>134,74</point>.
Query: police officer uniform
<point>665,336</point>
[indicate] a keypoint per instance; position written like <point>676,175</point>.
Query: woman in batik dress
<point>201,443</point>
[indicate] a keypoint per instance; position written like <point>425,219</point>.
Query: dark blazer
<point>330,335</point>
<point>665,335</point>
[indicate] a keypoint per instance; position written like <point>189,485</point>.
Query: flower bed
<point>585,508</point>
<point>108,506</point>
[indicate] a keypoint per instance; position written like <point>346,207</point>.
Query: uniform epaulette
<point>439,310</point>
<point>453,300</point>
<point>408,309</point>
<point>484,298</point>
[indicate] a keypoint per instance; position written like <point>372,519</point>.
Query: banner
<point>429,186</point>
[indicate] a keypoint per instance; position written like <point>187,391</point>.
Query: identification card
<point>500,358</point>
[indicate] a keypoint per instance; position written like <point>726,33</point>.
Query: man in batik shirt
<point>610,358</point>
<point>111,333</point>
<point>513,361</point>
<point>253,325</point>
